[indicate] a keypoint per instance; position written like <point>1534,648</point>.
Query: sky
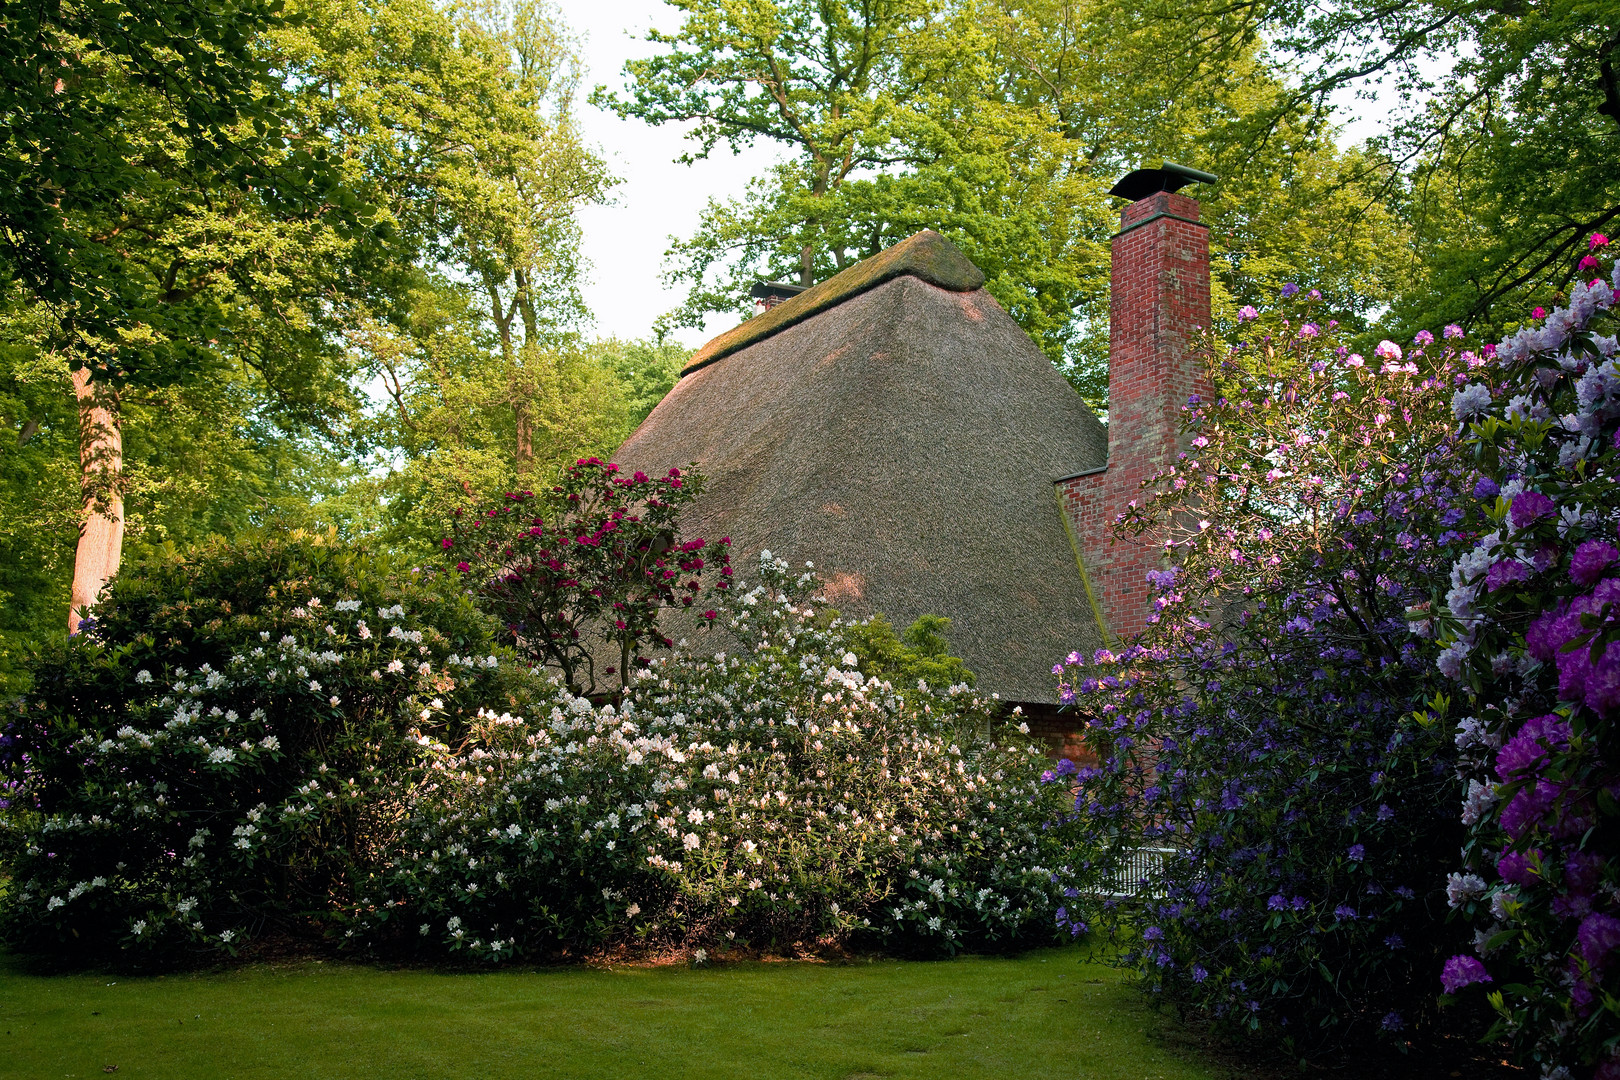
<point>625,241</point>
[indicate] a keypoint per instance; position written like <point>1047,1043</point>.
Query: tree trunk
<point>523,451</point>
<point>101,467</point>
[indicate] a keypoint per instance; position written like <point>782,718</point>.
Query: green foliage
<point>218,275</point>
<point>458,408</point>
<point>124,119</point>
<point>203,763</point>
<point>921,652</point>
<point>1501,152</point>
<point>1001,126</point>
<point>644,371</point>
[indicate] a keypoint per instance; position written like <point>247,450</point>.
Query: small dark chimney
<point>767,294</point>
<point>1159,295</point>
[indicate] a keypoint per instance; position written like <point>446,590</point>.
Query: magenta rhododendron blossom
<point>1461,971</point>
<point>1528,508</point>
<point>1599,937</point>
<point>1540,665</point>
<point>1590,560</point>
<point>1505,572</point>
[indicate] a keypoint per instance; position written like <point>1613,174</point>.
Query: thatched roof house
<point>896,426</point>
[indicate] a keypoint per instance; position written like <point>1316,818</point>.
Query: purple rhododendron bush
<point>1532,628</point>
<point>775,798</point>
<point>1278,735</point>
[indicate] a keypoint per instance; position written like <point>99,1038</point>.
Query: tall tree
<point>460,123</point>
<point>1001,124</point>
<point>150,198</point>
<point>1503,146</point>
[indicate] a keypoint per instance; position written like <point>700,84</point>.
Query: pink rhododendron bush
<point>290,738</point>
<point>1273,737</point>
<point>1531,622</point>
<point>579,576</point>
<point>773,798</point>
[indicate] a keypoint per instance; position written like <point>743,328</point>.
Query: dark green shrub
<point>224,750</point>
<point>920,652</point>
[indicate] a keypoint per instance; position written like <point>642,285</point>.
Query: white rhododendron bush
<point>775,798</point>
<point>278,741</point>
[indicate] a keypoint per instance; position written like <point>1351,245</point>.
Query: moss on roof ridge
<point>926,255</point>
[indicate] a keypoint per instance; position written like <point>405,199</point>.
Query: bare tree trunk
<point>523,451</point>
<point>101,467</point>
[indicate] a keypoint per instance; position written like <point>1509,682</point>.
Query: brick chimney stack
<point>1159,296</point>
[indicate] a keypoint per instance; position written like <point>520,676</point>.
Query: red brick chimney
<point>1159,296</point>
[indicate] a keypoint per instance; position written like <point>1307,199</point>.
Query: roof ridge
<point>925,255</point>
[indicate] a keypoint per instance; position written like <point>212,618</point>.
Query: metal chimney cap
<point>780,290</point>
<point>1141,183</point>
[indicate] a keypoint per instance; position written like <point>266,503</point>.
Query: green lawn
<point>1050,1015</point>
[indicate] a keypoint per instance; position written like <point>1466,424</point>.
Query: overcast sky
<point>625,242</point>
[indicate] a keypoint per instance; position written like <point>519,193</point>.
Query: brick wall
<point>1160,296</point>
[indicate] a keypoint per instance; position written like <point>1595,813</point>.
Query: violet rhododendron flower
<point>1461,971</point>
<point>1525,751</point>
<point>1529,507</point>
<point>1505,572</point>
<point>1515,867</point>
<point>1599,937</point>
<point>1590,560</point>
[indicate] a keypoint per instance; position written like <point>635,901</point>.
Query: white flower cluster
<point>168,819</point>
<point>770,796</point>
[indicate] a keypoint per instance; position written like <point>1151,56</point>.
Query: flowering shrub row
<point>287,737</point>
<point>1277,733</point>
<point>772,798</point>
<point>1532,626</point>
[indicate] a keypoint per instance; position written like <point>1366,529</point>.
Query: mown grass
<point>1050,1014</point>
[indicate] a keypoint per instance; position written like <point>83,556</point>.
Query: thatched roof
<point>904,435</point>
